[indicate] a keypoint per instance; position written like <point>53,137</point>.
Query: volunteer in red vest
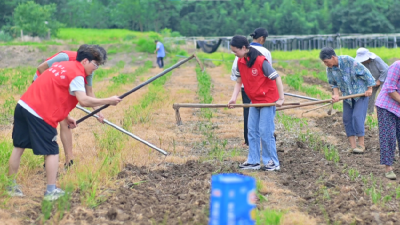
<point>65,132</point>
<point>263,85</point>
<point>259,36</point>
<point>47,102</point>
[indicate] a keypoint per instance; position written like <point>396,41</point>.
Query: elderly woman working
<point>351,77</point>
<point>378,69</point>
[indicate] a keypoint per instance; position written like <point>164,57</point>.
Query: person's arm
<point>335,96</point>
<point>391,82</point>
<point>157,48</point>
<point>236,90</point>
<point>271,73</point>
<point>42,67</point>
<point>334,85</point>
<point>87,101</point>
<point>382,68</point>
<point>61,57</point>
<point>234,71</point>
<point>77,88</point>
<point>90,93</point>
<point>279,85</point>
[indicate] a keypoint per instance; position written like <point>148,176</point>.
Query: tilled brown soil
<point>316,81</point>
<point>328,190</point>
<point>175,194</point>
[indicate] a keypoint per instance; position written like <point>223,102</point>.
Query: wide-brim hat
<point>364,54</point>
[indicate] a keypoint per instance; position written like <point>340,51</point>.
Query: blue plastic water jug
<point>233,200</point>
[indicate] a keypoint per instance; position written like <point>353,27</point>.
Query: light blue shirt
<point>350,76</point>
<point>161,50</point>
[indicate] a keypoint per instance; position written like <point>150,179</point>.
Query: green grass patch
<point>120,48</point>
<point>42,44</point>
<point>102,36</point>
<point>387,54</point>
<point>204,91</point>
<point>296,81</point>
<point>269,217</point>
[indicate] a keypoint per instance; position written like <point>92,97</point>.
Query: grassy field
<point>102,151</point>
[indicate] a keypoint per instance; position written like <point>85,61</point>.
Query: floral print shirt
<point>350,77</point>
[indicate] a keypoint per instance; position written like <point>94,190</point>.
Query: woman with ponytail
<point>259,35</point>
<point>262,84</point>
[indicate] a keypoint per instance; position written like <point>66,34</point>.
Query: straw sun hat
<point>364,54</point>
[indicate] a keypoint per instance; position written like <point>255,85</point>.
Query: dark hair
<point>327,53</point>
<point>103,53</point>
<point>89,52</point>
<point>239,41</point>
<point>156,41</point>
<point>82,47</point>
<point>259,32</point>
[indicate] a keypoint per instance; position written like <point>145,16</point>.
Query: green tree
<point>36,20</point>
<point>361,16</point>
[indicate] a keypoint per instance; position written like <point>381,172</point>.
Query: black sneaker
<point>271,166</point>
<point>248,166</point>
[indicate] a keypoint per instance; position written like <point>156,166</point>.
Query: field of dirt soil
<point>153,189</point>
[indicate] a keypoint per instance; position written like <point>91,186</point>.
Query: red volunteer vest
<point>49,95</point>
<point>71,56</point>
<point>258,87</point>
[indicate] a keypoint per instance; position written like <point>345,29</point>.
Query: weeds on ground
<point>371,122</point>
<point>204,91</point>
<point>296,81</point>
<point>269,217</point>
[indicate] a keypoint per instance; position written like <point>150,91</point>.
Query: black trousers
<point>246,100</point>
<point>160,62</point>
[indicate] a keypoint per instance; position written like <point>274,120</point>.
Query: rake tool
<point>301,96</point>
<point>143,84</point>
<point>125,132</point>
<point>319,102</point>
<point>329,111</point>
<point>176,107</point>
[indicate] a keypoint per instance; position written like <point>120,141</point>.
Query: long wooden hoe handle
<point>176,107</point>
<point>138,87</point>
<point>196,105</point>
<point>319,102</point>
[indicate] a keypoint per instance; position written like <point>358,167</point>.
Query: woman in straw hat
<point>378,69</point>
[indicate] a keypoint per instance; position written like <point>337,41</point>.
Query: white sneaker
<point>54,195</point>
<point>248,166</point>
<point>14,191</point>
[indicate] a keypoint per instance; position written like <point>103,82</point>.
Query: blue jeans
<point>160,62</point>
<point>261,127</point>
<point>354,117</point>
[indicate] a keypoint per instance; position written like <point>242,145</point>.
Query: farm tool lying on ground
<point>133,90</point>
<point>289,105</point>
<point>176,107</point>
<point>125,131</point>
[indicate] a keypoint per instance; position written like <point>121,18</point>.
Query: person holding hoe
<point>388,110</point>
<point>47,102</point>
<point>259,35</point>
<point>65,132</point>
<point>262,84</point>
<point>350,77</point>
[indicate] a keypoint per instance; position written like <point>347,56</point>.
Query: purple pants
<point>389,131</point>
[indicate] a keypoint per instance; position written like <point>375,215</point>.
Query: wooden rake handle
<point>176,107</point>
<point>319,102</point>
<point>196,105</point>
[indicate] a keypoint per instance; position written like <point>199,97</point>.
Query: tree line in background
<point>203,18</point>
